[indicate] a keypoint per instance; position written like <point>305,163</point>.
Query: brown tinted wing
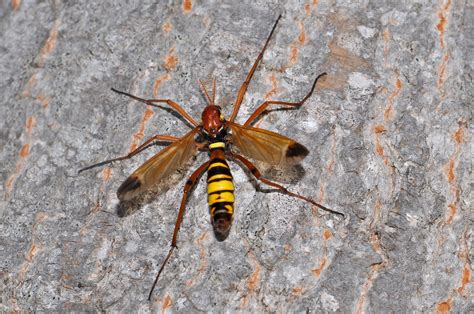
<point>266,146</point>
<point>156,169</point>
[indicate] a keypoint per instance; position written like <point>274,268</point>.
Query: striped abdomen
<point>220,191</point>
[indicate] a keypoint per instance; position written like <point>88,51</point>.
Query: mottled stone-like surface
<point>389,134</point>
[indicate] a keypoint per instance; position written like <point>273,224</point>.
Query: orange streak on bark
<point>25,150</point>
<point>167,302</point>
<point>49,44</point>
<point>379,129</point>
<point>451,213</point>
<point>138,136</point>
<point>374,239</point>
<point>330,166</point>
<point>158,82</point>
<point>9,184</point>
<point>30,124</point>
<point>43,100</point>
<point>378,147</point>
<point>458,136</point>
<point>254,278</point>
<point>317,271</point>
<point>466,278</point>
<point>442,72</point>
<point>106,174</point>
<point>322,190</point>
<point>444,307</point>
<point>374,269</point>
<point>16,4</point>
<point>29,85</point>
<point>386,43</point>
<point>202,252</point>
<point>443,21</point>
<point>441,25</point>
<point>327,234</point>
<point>167,27</point>
<point>32,252</point>
<point>449,170</point>
<point>391,97</point>
<point>302,36</point>
<point>203,263</point>
<point>310,6</point>
<point>187,6</point>
<point>22,154</point>
<point>171,60</point>
<point>272,78</point>
<point>298,42</point>
<point>252,281</point>
<point>293,56</point>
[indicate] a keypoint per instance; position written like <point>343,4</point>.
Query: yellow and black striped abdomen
<point>220,192</point>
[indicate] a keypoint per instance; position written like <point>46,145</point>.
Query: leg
<point>271,102</point>
<point>243,88</point>
<point>170,103</point>
<point>165,138</point>
<point>187,188</point>
<point>258,175</point>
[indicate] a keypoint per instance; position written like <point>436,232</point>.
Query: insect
<point>221,138</point>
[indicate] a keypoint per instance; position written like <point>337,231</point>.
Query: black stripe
<point>223,205</point>
<point>213,160</point>
<point>220,179</point>
<point>226,216</point>
<point>218,170</point>
<point>221,191</point>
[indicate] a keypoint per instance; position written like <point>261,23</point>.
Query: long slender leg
<point>170,103</point>
<point>258,175</point>
<point>187,189</point>
<point>243,88</point>
<point>165,138</point>
<point>264,105</point>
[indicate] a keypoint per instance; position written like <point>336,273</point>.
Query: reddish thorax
<point>212,120</point>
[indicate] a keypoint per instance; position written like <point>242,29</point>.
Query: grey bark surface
<point>389,134</point>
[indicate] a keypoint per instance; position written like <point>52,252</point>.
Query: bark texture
<point>388,130</point>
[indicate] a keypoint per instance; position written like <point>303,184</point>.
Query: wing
<point>266,146</point>
<point>159,167</point>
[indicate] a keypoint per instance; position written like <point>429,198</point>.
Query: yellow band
<point>217,186</point>
<point>227,197</point>
<point>219,176</point>
<point>217,164</point>
<point>217,145</point>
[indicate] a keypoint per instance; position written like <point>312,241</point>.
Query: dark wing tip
<point>296,151</point>
<point>132,183</point>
